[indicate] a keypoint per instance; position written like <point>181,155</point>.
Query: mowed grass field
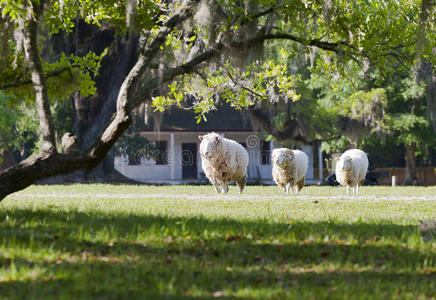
<point>187,242</point>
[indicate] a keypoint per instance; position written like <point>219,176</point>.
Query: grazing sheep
<point>351,169</point>
<point>223,161</point>
<point>289,168</point>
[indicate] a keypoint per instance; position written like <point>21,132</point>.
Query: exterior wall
<point>148,171</point>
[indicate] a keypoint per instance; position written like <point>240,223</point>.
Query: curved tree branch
<point>263,35</point>
<point>18,83</point>
<point>49,162</point>
<point>171,73</point>
<point>289,132</point>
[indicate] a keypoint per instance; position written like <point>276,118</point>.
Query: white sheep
<point>289,168</point>
<point>351,168</point>
<point>223,161</point>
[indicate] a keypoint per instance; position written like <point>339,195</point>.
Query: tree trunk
<point>118,65</point>
<point>38,80</point>
<point>410,177</point>
<point>49,163</point>
<point>429,73</point>
<point>93,113</point>
<point>425,68</point>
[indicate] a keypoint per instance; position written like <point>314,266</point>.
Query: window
<point>134,160</point>
<point>160,155</point>
<point>265,153</point>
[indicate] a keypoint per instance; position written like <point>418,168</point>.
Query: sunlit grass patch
<point>187,241</point>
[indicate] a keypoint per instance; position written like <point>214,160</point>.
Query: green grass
<point>115,242</point>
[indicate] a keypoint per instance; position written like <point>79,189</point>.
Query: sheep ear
<point>200,137</point>
<point>349,159</point>
<point>291,153</point>
<point>217,137</point>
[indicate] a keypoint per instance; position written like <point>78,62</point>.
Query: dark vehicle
<point>370,179</point>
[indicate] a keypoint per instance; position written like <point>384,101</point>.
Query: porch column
<point>172,157</point>
<point>320,162</point>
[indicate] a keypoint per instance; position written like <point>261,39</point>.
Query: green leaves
<point>62,14</point>
<point>18,124</point>
<point>268,81</point>
<point>410,128</point>
<point>63,77</point>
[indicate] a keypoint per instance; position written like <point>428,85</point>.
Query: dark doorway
<point>189,160</point>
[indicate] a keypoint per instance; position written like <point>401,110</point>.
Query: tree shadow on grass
<point>136,281</point>
<point>199,256</point>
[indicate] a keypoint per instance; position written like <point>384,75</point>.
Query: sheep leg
<point>357,189</point>
<point>289,188</point>
<point>225,188</point>
<point>348,190</point>
<point>300,184</point>
<point>241,183</point>
<point>216,187</point>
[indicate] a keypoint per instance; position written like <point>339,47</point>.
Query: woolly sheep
<point>289,168</point>
<point>351,169</point>
<point>223,161</point>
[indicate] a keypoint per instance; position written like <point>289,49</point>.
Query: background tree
<point>18,132</point>
<point>196,44</point>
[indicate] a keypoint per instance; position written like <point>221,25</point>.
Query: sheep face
<point>345,163</point>
<point>209,143</point>
<point>283,159</point>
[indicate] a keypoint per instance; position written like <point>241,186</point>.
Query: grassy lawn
<point>115,242</point>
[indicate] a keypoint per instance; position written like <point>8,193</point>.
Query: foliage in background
<point>135,146</point>
<point>18,126</point>
<point>268,81</point>
<point>394,108</point>
<point>356,25</point>
<point>75,74</point>
<point>221,51</point>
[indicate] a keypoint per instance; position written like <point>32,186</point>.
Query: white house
<point>175,157</point>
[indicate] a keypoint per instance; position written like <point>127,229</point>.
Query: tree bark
<point>410,176</point>
<point>49,162</point>
<point>38,80</point>
<point>429,73</point>
<point>115,68</point>
<point>426,70</point>
<point>135,88</point>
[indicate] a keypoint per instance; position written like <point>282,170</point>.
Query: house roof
<point>225,118</point>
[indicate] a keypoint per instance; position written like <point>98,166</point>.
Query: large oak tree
<point>209,49</point>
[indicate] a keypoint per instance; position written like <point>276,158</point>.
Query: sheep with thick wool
<point>351,168</point>
<point>223,160</point>
<point>289,169</point>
